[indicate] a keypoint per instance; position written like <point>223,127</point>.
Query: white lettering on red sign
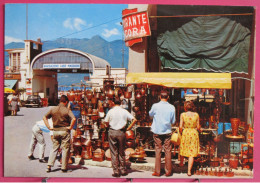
<point>136,26</point>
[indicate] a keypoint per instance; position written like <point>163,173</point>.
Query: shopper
<point>189,146</point>
<point>75,108</point>
<point>37,137</point>
<point>163,115</point>
<point>117,118</point>
<point>63,122</point>
<point>14,104</point>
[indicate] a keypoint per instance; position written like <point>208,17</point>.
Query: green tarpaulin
<point>212,43</point>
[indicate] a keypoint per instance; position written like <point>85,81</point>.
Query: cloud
<point>108,33</point>
<point>74,23</point>
<point>9,39</point>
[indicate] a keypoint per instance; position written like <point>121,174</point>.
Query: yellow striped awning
<point>182,80</point>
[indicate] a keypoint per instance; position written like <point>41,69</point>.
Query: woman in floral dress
<point>189,126</point>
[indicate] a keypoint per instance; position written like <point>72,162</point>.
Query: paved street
<point>17,135</point>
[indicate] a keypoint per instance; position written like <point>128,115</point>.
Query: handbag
<point>176,137</point>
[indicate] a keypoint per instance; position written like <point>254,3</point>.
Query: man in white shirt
<point>37,137</point>
<point>117,118</point>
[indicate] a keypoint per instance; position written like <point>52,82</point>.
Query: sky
<point>52,21</point>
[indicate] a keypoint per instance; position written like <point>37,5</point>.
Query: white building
<point>36,71</point>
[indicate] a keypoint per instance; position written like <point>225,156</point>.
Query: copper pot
<point>203,90</point>
<point>94,112</point>
<point>214,162</point>
<point>136,108</point>
<point>110,93</point>
<point>89,111</point>
<point>71,96</point>
<point>98,143</point>
<point>105,145</point>
<point>195,91</point>
<point>89,94</point>
<point>138,95</point>
<point>233,162</point>
<point>128,95</point>
<point>93,100</point>
<point>102,96</point>
<point>129,134</point>
<point>129,144</point>
<point>230,173</point>
<point>143,91</point>
<point>234,125</point>
<point>78,97</point>
<point>117,92</point>
<point>87,153</point>
<point>221,92</point>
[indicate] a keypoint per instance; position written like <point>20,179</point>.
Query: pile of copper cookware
<point>217,171</point>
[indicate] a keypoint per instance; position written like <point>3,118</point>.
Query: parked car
<point>33,101</point>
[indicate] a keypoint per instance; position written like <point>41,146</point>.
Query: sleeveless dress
<point>190,145</point>
<point>14,103</point>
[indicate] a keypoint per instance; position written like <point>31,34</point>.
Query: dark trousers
<point>117,143</point>
<point>163,141</point>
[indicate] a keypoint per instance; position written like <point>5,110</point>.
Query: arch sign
<point>136,25</point>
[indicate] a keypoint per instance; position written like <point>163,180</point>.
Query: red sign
<point>136,25</point>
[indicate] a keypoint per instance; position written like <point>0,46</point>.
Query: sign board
<point>136,25</point>
<point>61,66</point>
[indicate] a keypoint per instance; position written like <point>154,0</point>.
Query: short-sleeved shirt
<point>61,116</point>
<point>118,117</point>
<point>163,114</point>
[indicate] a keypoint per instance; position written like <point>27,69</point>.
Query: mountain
<point>110,51</point>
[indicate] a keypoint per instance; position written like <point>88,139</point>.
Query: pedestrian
<point>117,118</point>
<point>163,114</point>
<point>14,104</point>
<point>37,137</point>
<point>189,146</point>
<point>63,121</point>
<point>75,108</point>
